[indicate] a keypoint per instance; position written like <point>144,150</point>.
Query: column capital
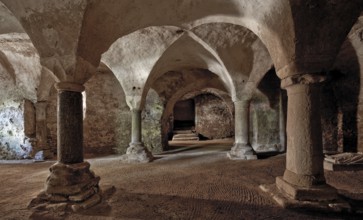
<point>247,101</point>
<point>69,86</point>
<point>40,104</point>
<point>303,79</point>
<point>241,104</point>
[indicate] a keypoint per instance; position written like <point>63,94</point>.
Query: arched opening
<point>339,103</point>
<point>268,115</point>
<point>202,116</point>
<point>184,115</point>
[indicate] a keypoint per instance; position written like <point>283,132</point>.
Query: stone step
<point>185,135</point>
<point>183,132</point>
<point>186,139</point>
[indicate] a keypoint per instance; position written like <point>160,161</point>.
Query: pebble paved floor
<point>193,182</point>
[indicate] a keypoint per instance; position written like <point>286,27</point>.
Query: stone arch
<point>132,57</point>
<point>197,54</point>
<point>342,92</point>
<point>223,95</point>
<point>4,61</point>
<point>9,23</point>
<point>273,25</point>
<point>213,85</point>
<point>47,81</point>
<point>21,61</point>
<point>244,55</point>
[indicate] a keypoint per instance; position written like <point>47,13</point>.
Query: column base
<point>321,198</point>
<point>137,153</point>
<point>242,152</point>
<point>42,155</point>
<point>69,187</point>
<point>48,154</point>
<point>322,192</point>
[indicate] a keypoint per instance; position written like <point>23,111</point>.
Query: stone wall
<point>107,119</point>
<point>264,126</point>
<point>266,132</point>
<point>13,142</point>
<point>213,119</point>
<point>151,122</point>
<point>51,119</point>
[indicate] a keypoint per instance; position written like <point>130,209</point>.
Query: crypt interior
<point>181,109</point>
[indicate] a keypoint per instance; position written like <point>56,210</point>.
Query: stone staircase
<point>185,135</point>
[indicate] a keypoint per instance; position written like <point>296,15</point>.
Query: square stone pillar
<point>303,183</point>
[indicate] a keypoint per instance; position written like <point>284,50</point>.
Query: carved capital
<point>69,86</point>
<point>242,103</point>
<point>303,79</point>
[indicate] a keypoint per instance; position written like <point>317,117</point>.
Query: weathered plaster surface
<point>241,51</point>
<point>270,20</point>
<point>132,57</point>
<point>55,28</point>
<point>13,142</point>
<point>151,122</point>
<point>20,65</point>
<point>264,126</point>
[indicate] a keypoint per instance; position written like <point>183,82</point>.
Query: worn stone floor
<point>190,182</point>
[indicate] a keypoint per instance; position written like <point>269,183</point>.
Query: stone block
<point>342,167</point>
<point>337,205</point>
<point>315,193</point>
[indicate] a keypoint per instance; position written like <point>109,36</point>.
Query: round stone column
<point>242,149</point>
<point>71,184</point>
<point>136,152</point>
<point>69,123</point>
<point>136,137</point>
<point>303,178</point>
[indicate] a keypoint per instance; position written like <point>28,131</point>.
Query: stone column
<point>136,127</point>
<point>282,122</point>
<point>71,182</point>
<point>136,152</point>
<point>303,178</point>
<point>242,149</point>
<point>41,130</point>
<point>70,124</point>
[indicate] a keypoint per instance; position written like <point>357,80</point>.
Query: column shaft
<point>136,152</point>
<point>70,127</point>
<point>304,158</point>
<point>242,121</point>
<point>241,149</point>
<point>136,137</point>
<point>71,184</point>
<point>282,122</point>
